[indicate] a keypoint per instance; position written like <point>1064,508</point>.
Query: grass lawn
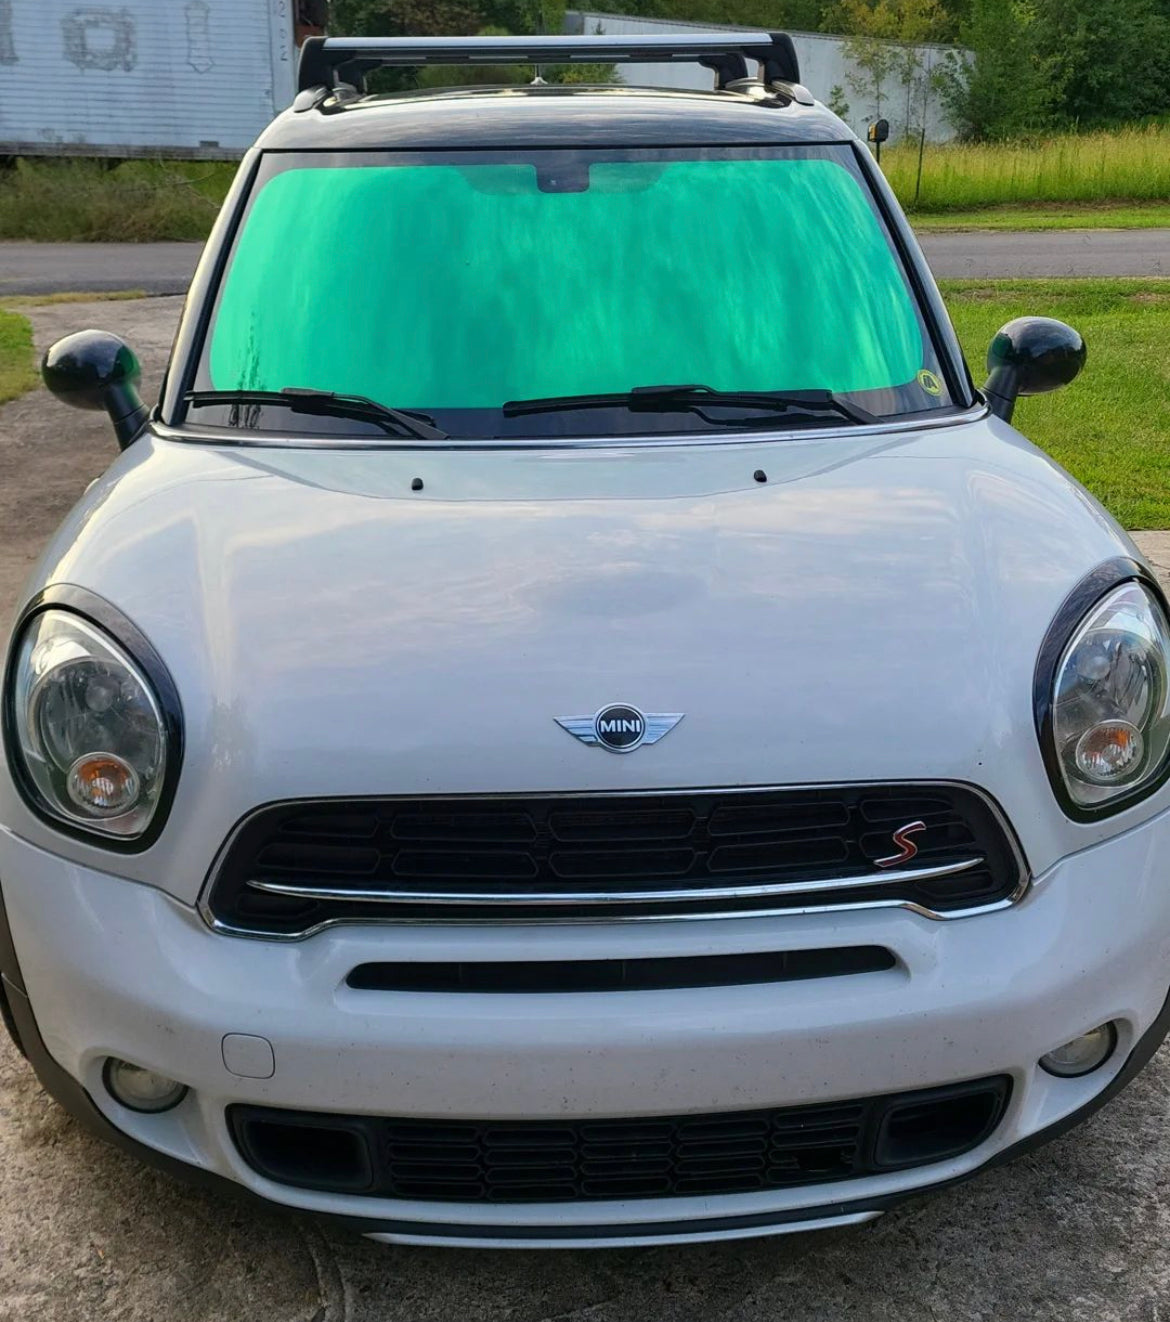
<point>1118,178</point>
<point>1126,165</point>
<point>17,359</point>
<point>1067,216</point>
<point>94,201</point>
<point>1111,427</point>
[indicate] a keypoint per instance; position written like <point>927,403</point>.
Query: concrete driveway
<point>1075,1231</point>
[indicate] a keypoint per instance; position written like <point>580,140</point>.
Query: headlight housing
<point>1104,706</point>
<point>91,729</point>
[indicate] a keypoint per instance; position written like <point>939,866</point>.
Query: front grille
<point>580,1160</point>
<point>293,867</point>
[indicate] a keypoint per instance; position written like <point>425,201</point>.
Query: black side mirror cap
<point>1031,356</point>
<point>96,370</point>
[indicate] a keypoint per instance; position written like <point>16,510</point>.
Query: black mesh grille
<point>575,1160</point>
<point>429,850</point>
<point>602,975</point>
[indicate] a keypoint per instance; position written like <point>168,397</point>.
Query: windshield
<point>453,283</point>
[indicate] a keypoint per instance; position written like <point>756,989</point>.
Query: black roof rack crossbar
<point>327,61</point>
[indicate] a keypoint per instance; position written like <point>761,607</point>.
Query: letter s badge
<point>907,846</point>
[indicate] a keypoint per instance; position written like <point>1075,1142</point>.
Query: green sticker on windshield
<point>443,286</point>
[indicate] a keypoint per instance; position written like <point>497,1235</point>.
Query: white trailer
<point>177,78</point>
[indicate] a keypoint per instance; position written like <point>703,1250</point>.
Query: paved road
<point>983,255</point>
<point>165,268</point>
<point>1076,1232</point>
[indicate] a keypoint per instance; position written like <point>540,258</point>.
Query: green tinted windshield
<point>452,284</point>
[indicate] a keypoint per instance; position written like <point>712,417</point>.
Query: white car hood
<point>871,611</point>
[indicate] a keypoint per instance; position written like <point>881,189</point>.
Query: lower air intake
<point>578,1160</point>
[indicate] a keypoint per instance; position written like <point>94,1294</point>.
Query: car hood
<point>827,608</point>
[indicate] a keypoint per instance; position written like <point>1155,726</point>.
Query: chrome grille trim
<point>572,899</point>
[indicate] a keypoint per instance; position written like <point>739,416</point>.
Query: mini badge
<point>619,727</point>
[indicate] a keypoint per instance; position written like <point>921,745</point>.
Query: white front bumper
<point>116,968</point>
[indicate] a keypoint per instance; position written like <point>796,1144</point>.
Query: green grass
<point>1069,216</point>
<point>18,372</point>
<point>1119,178</point>
<point>1120,165</point>
<point>1111,427</point>
<point>136,201</point>
<point>48,300</point>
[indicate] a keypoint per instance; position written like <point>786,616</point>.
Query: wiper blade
<point>666,399</point>
<point>397,422</point>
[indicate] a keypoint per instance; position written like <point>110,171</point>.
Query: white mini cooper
<point>573,722</point>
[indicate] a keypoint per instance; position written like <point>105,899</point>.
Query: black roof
<point>550,116</point>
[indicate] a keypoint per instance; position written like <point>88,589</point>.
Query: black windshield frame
<point>945,356</point>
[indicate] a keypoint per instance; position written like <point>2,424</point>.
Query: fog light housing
<point>139,1089</point>
<point>1083,1054</point>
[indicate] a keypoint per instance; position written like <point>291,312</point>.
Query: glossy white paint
<point>872,612</point>
<point>121,969</point>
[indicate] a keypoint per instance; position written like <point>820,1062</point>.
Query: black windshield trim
<point>230,437</point>
<point>938,336</point>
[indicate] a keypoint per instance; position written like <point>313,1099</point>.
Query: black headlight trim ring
<point>100,613</point>
<point>1093,588</point>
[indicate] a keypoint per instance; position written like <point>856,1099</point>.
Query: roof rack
<point>327,61</point>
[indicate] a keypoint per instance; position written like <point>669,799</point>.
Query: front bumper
<point>115,968</point>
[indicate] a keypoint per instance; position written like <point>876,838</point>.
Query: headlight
<point>1109,720</point>
<point>86,728</point>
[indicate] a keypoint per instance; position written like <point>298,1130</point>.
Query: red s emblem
<point>905,844</point>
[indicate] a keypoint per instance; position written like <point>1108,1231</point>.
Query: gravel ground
<point>1075,1231</point>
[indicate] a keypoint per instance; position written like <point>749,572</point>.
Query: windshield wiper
<point>326,403</point>
<point>667,399</point>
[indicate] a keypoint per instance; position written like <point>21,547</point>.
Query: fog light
<point>1083,1054</point>
<point>141,1090</point>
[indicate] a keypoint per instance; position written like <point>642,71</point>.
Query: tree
<point>423,18</point>
<point>1111,61</point>
<point>836,102</point>
<point>444,18</point>
<point>885,48</point>
<point>1007,90</point>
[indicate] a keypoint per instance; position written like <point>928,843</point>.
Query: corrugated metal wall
<point>190,77</point>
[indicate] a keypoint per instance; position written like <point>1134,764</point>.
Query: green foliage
<point>439,18</point>
<point>797,15</point>
<point>1008,89</point>
<point>887,56</point>
<point>1111,60</point>
<point>133,202</point>
<point>1120,165</point>
<point>836,102</point>
<point>17,364</point>
<point>449,17</point>
<point>1043,64</point>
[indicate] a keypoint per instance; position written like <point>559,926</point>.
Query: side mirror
<point>1031,356</point>
<point>96,370</point>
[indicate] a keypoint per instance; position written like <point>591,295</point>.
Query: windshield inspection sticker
<point>929,382</point>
